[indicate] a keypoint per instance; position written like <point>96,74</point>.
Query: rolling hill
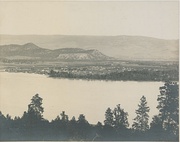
<point>32,51</point>
<point>122,47</point>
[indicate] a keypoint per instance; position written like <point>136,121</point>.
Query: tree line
<point>135,75</point>
<point>33,126</point>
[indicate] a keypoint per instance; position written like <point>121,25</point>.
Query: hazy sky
<point>154,19</point>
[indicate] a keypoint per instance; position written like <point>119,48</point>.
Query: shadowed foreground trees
<point>166,123</point>
<point>168,107</point>
<point>164,126</point>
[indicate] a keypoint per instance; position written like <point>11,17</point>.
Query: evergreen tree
<point>72,128</point>
<point>82,119</point>
<point>83,127</point>
<point>156,124</point>
<point>73,119</point>
<point>120,118</point>
<point>35,107</point>
<point>169,107</point>
<point>2,118</point>
<point>64,117</point>
<point>108,117</point>
<point>156,129</point>
<point>32,122</point>
<point>141,120</point>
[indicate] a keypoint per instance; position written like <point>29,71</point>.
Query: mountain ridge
<point>32,50</point>
<point>121,46</point>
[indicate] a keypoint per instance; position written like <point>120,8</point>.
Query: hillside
<point>122,47</point>
<point>30,50</point>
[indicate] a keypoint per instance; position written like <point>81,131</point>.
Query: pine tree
<point>156,124</point>
<point>82,119</point>
<point>35,107</point>
<point>141,120</point>
<point>83,127</point>
<point>120,118</point>
<point>169,107</point>
<point>108,117</point>
<point>64,117</point>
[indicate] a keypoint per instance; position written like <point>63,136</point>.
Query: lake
<point>75,97</point>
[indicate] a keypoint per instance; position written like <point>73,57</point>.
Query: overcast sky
<point>154,19</point>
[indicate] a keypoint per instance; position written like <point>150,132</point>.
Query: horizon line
<point>86,35</point>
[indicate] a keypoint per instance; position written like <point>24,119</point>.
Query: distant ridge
<point>122,47</point>
<point>30,50</point>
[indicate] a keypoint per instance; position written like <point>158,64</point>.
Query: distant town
<point>91,64</point>
<point>99,70</point>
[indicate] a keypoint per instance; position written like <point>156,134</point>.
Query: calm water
<point>75,97</point>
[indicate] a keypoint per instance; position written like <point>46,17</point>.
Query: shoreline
<point>87,79</point>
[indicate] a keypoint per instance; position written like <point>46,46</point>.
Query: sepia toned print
<point>89,70</point>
